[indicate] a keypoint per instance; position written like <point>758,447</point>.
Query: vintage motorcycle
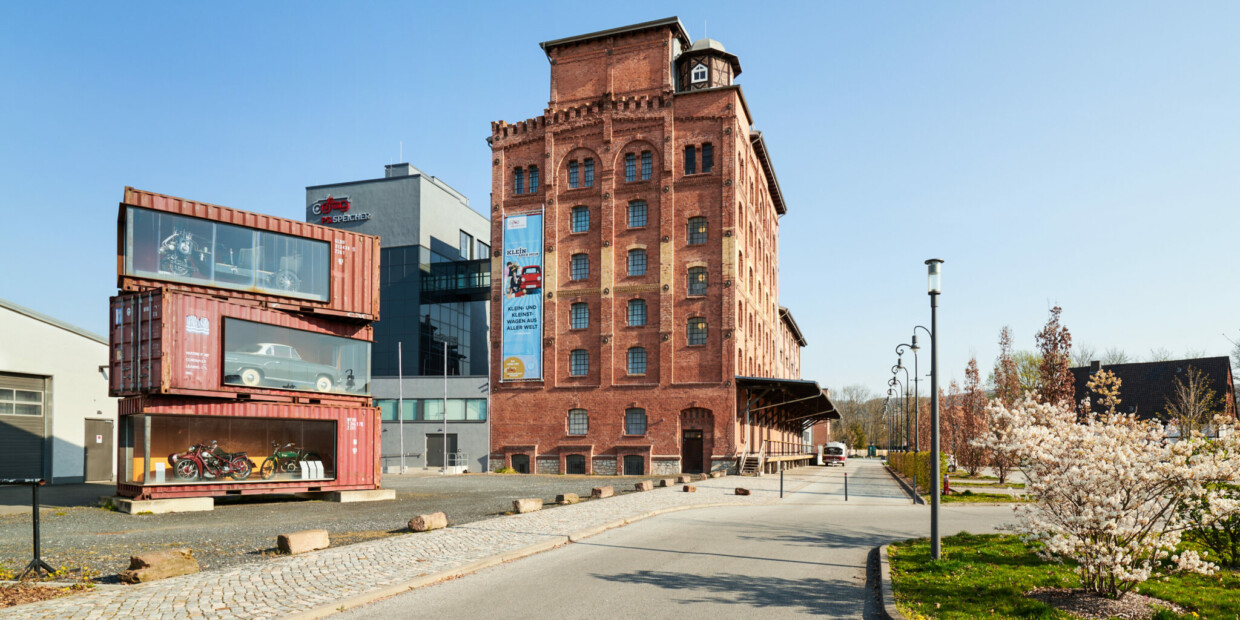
<point>285,459</point>
<point>208,461</point>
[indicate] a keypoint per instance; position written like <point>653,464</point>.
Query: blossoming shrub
<point>1112,495</point>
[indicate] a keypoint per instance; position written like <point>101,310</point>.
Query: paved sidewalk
<point>321,582</point>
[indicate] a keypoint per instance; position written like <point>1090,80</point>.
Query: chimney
<point>1094,366</point>
<point>400,170</point>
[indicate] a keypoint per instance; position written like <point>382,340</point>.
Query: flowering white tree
<point>1111,494</point>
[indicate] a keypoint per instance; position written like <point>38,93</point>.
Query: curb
<point>904,485</point>
<point>365,598</point>
<point>889,599</point>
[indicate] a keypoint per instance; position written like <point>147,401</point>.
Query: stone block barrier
<point>565,499</point>
<point>303,541</point>
<point>426,523</point>
<point>683,478</point>
<point>159,565</point>
<point>718,474</point>
<point>690,488</point>
<point>644,485</point>
<point>531,504</point>
<point>740,491</point>
<point>667,482</point>
<point>601,492</point>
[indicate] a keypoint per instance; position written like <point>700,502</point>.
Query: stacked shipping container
<point>241,333</point>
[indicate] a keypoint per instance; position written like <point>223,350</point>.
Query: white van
<point>834,452</point>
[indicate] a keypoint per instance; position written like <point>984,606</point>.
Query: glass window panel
<point>690,160</point>
<point>176,248</point>
<point>278,449</point>
<point>466,245</point>
<point>637,262</point>
<point>533,179</point>
<point>637,361</point>
<point>476,409</point>
<point>637,214</point>
<point>697,230</point>
<point>579,363</point>
<point>26,396</point>
<point>708,157</point>
<point>409,409</point>
<point>518,181</point>
<point>580,316</point>
<point>580,267</point>
<point>6,394</point>
<point>6,408</point>
<point>697,331</point>
<point>572,175</point>
<point>589,175</point>
<point>274,357</point>
<point>646,165</point>
<point>630,167</point>
<point>637,312</point>
<point>387,410</point>
<point>432,409</point>
<point>697,280</point>
<point>635,422</point>
<point>456,409</point>
<point>578,422</point>
<point>581,219</point>
<point>27,409</point>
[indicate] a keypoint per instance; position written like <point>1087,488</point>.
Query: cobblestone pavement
<point>325,580</point>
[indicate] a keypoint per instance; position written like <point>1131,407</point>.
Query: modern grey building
<point>434,282</point>
<point>56,419</point>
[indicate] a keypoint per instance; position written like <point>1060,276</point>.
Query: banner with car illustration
<point>521,351</point>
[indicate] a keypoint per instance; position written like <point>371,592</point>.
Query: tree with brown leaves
<point>1007,377</point>
<point>1105,385</point>
<point>970,453</point>
<point>1055,346</point>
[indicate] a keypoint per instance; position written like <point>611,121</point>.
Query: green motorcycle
<point>285,459</point>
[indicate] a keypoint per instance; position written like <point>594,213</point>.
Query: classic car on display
<point>267,364</point>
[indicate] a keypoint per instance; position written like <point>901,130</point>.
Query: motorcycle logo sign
<point>329,204</point>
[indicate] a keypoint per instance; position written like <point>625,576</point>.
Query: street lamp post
<point>901,394</point>
<point>934,286</point>
<point>907,416</point>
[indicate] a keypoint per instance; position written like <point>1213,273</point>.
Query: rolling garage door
<point>23,413</point>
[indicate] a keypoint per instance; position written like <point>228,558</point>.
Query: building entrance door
<point>691,452</point>
<point>434,448</point>
<point>521,463</point>
<point>98,444</point>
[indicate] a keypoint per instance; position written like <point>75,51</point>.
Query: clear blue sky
<point>1080,154</point>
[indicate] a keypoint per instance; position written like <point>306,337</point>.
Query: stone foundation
<point>605,466</point>
<point>495,463</point>
<point>662,467</point>
<point>548,466</point>
<point>724,465</point>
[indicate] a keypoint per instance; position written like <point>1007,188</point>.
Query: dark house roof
<point>1145,387</point>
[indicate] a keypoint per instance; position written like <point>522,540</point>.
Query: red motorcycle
<point>209,461</point>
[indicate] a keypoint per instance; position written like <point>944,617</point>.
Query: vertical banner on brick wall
<point>521,351</point>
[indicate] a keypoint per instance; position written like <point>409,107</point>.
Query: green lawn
<point>971,497</point>
<point>986,576</point>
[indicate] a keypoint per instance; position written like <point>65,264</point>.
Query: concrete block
<point>160,506</point>
<point>426,523</point>
<point>522,506</point>
<point>564,499</point>
<point>740,491</point>
<point>667,482</point>
<point>303,541</point>
<point>159,565</point>
<point>690,488</point>
<point>718,474</point>
<point>345,497</point>
<point>601,492</point>
<point>702,477</point>
<point>644,485</point>
<point>683,478</point>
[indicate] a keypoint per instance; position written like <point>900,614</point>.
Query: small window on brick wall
<point>637,361</point>
<point>579,362</point>
<point>581,218</point>
<point>637,262</point>
<point>580,316</point>
<point>518,181</point>
<point>690,160</point>
<point>697,230</point>
<point>637,214</point>
<point>580,266</point>
<point>588,181</point>
<point>646,165</point>
<point>573,174</point>
<point>697,330</point>
<point>630,167</point>
<point>635,421</point>
<point>578,422</point>
<point>637,312</point>
<point>697,280</point>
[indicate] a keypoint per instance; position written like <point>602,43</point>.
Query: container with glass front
<point>168,342</point>
<point>197,247</point>
<point>183,447</point>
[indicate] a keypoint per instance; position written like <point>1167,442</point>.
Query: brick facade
<point>616,98</point>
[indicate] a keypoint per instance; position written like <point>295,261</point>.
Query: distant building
<point>434,282</point>
<point>56,419</point>
<point>1145,387</point>
<point>639,330</point>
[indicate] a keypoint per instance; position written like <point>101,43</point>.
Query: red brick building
<point>665,348</point>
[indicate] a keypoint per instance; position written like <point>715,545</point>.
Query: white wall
<point>79,389</point>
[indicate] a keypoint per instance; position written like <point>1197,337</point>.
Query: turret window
<point>699,73</point>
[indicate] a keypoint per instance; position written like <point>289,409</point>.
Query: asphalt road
<point>806,555</point>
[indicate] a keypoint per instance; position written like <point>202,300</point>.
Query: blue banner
<point>521,351</point>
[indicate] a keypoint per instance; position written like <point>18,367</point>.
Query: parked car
<point>833,453</point>
<point>531,279</point>
<point>268,364</point>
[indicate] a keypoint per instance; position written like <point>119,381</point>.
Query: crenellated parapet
<point>502,130</point>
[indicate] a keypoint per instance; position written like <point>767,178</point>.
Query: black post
<point>845,486</point>
<point>36,565</point>
<point>936,551</point>
<point>781,483</point>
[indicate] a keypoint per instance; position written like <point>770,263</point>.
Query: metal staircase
<point>751,464</point>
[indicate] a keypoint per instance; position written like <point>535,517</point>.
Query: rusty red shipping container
<point>170,342</point>
<point>354,457</point>
<point>352,288</point>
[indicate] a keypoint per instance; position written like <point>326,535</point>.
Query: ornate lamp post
<point>934,286</point>
<point>898,390</point>
<point>907,416</point>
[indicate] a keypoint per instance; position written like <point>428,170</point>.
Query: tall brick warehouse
<point>663,345</point>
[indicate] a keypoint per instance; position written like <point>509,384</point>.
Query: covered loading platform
<point>773,415</point>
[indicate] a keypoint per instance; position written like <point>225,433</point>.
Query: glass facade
<point>431,409</point>
<point>177,248</point>
<point>270,356</point>
<point>225,450</point>
<point>421,328</point>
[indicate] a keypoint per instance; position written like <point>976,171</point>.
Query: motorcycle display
<point>285,459</point>
<point>181,253</point>
<point>208,461</point>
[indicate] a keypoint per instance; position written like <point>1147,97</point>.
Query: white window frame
<point>695,77</point>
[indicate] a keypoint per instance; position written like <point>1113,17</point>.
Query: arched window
<point>634,465</point>
<point>580,266</point>
<point>637,262</point>
<point>578,422</point>
<point>699,74</point>
<point>697,330</point>
<point>581,218</point>
<point>635,421</point>
<point>637,214</point>
<point>637,312</point>
<point>579,362</point>
<point>637,361</point>
<point>697,230</point>
<point>575,464</point>
<point>697,280</point>
<point>580,315</point>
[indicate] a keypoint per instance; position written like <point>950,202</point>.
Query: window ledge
<point>579,232</point>
<point>636,227</point>
<point>639,374</point>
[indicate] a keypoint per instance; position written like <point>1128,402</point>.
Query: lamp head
<point>899,362</point>
<point>914,345</point>
<point>934,283</point>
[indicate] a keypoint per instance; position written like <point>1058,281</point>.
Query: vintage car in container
<point>269,364</point>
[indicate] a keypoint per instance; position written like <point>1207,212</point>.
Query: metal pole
<point>781,482</point>
<point>845,486</point>
<point>445,406</point>
<point>936,551</point>
<point>916,407</point>
<point>400,403</point>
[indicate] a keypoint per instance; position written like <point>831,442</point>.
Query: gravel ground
<point>244,529</point>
